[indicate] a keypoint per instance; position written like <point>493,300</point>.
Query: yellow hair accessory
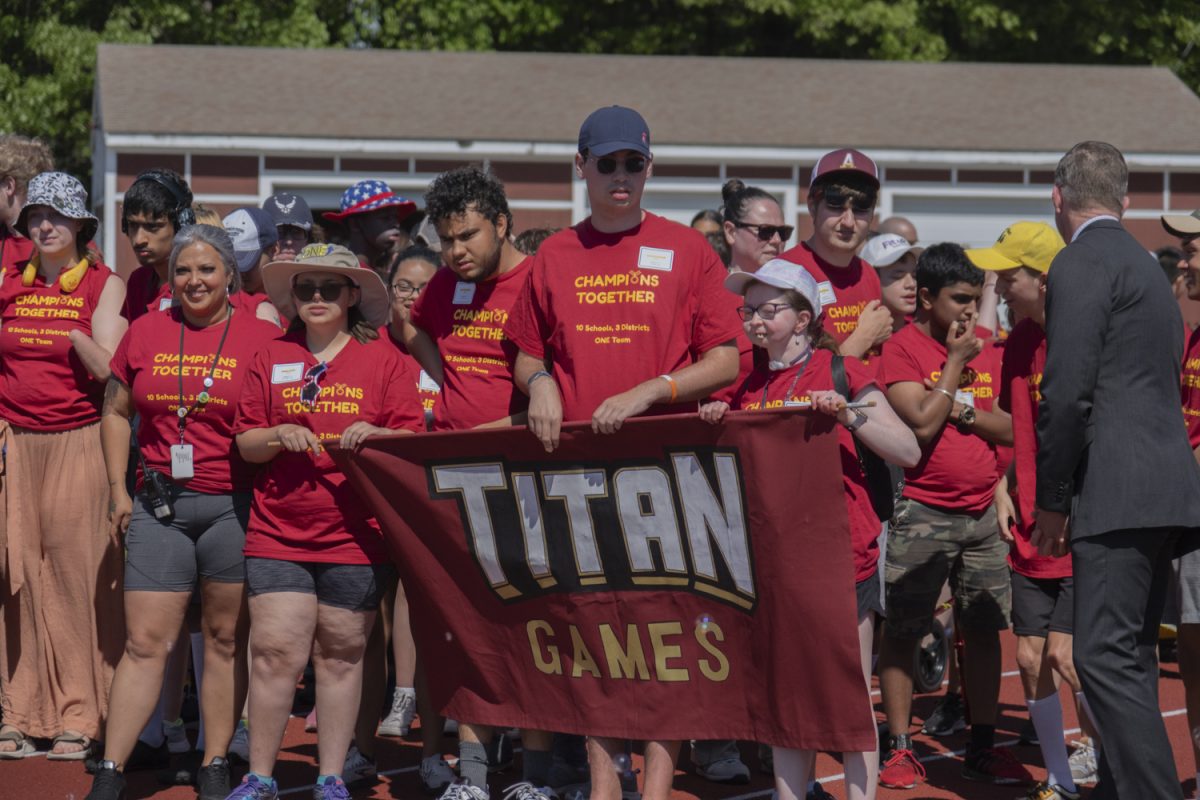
<point>68,280</point>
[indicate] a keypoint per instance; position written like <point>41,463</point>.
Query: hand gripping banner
<point>675,580</point>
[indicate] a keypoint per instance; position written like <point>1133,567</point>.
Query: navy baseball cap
<point>613,128</point>
<point>286,208</point>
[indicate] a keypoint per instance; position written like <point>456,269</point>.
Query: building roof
<point>543,97</point>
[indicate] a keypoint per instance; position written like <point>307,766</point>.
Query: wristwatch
<point>859,419</point>
<point>966,418</point>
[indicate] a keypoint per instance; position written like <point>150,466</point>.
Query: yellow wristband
<point>674,387</point>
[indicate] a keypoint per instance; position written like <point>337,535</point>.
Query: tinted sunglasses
<point>839,202</point>
<point>767,232</point>
<point>607,165</point>
<point>330,290</point>
<point>311,389</point>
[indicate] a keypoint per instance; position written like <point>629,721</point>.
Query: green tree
<point>49,50</point>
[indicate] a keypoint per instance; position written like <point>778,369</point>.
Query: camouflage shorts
<point>927,546</point>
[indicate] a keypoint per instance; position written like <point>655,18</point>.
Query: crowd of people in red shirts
<point>166,485</point>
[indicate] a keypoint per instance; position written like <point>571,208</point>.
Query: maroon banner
<point>675,580</point>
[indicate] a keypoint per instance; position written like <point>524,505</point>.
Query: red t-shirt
<point>794,385</point>
<point>466,322</point>
<point>427,389</point>
<point>1020,392</point>
<point>845,291</point>
<point>957,471</point>
<point>303,508</point>
<point>1190,379</point>
<point>45,385</point>
<point>147,361</point>
<point>613,310</point>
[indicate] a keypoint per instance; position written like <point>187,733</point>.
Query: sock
<point>265,779</point>
<point>983,736</point>
<point>535,766</point>
<point>323,779</point>
<point>473,764</point>
<point>1046,714</point>
<point>1083,703</point>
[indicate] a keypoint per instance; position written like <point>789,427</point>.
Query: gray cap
<point>252,232</point>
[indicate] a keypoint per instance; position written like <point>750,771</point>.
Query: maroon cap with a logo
<point>845,160</point>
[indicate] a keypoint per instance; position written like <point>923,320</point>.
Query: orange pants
<point>62,628</point>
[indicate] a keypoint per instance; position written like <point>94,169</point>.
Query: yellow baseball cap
<point>1023,244</point>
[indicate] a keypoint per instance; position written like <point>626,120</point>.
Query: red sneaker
<point>994,765</point>
<point>901,770</point>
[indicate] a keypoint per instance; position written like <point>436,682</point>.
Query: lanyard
<point>202,398</point>
<point>803,357</point>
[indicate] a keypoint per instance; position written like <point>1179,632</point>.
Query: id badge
<point>181,462</point>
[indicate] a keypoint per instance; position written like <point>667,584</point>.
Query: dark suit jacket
<point>1112,447</point>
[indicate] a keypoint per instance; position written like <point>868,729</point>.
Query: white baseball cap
<point>886,249</point>
<point>782,275</point>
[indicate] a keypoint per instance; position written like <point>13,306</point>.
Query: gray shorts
<point>355,587</point>
<point>1186,579</point>
<point>204,540</point>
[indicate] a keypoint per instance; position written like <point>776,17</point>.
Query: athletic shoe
<point>435,774</point>
<point>109,784</point>
<point>358,769</point>
<point>331,789</point>
<point>1048,791</point>
<point>1028,734</point>
<point>143,757</point>
<point>948,717</point>
<point>766,758</point>
<point>994,765</point>
<point>251,788</point>
<point>901,769</point>
<point>817,793</point>
<point>176,736</point>
<point>724,770</point>
<point>500,753</point>
<point>239,745</point>
<point>527,791</point>
<point>399,720</point>
<point>1085,767</point>
<point>461,790</point>
<point>212,782</point>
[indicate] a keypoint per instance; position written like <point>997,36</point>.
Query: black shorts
<point>1041,605</point>
<point>355,587</point>
<point>870,594</point>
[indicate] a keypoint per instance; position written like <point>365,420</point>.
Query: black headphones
<point>181,214</point>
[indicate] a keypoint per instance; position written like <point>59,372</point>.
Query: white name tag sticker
<point>426,383</point>
<point>164,303</point>
<point>287,373</point>
<point>656,258</point>
<point>966,398</point>
<point>181,462</point>
<point>825,288</point>
<point>464,293</point>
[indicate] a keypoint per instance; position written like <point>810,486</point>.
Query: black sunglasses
<point>766,312</point>
<point>767,232</point>
<point>330,290</point>
<point>838,203</point>
<point>312,388</point>
<point>607,165</point>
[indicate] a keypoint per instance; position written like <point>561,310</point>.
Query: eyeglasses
<point>838,202</point>
<point>312,388</point>
<point>607,165</point>
<point>766,312</point>
<point>406,289</point>
<point>330,290</point>
<point>766,233</point>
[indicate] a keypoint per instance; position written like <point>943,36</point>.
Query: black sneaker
<point>948,717</point>
<point>212,782</point>
<point>143,757</point>
<point>817,793</point>
<point>500,753</point>
<point>108,783</point>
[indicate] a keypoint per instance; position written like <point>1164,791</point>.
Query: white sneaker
<point>1084,765</point>
<point>176,736</point>
<point>461,790</point>
<point>399,720</point>
<point>239,745</point>
<point>358,769</point>
<point>435,774</point>
<point>527,791</point>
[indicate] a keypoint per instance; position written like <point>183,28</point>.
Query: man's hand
<point>713,412</point>
<point>1051,533</point>
<point>545,412</point>
<point>961,343</point>
<point>1006,513</point>
<point>875,322</point>
<point>620,407</point>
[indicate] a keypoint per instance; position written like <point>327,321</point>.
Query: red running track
<point>398,760</point>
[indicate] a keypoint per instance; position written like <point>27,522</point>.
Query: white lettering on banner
<point>536,528</point>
